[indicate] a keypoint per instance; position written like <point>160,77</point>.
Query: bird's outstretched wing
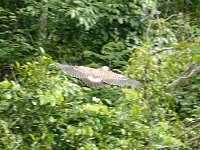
<point>80,71</point>
<point>97,77</point>
<point>89,76</point>
<point>74,71</point>
<point>120,80</point>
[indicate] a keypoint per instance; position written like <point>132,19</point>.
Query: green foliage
<point>47,111</point>
<point>14,42</point>
<point>44,108</point>
<point>66,29</point>
<point>28,101</point>
<point>166,111</point>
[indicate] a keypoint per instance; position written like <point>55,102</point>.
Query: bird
<point>97,77</point>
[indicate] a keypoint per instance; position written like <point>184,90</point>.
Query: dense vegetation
<point>156,42</point>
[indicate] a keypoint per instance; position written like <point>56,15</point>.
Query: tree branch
<point>162,50</point>
<point>43,21</point>
<point>51,34</point>
<point>185,76</point>
<point>173,15</point>
<point>193,139</point>
<point>197,125</point>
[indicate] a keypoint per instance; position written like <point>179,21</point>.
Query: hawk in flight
<point>97,77</point>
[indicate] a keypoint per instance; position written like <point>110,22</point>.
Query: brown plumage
<point>97,77</point>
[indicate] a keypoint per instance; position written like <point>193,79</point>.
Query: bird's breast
<point>94,79</point>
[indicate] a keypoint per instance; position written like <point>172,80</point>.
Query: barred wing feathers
<point>97,77</point>
<point>120,80</point>
<point>86,74</point>
<point>93,82</point>
<point>74,71</point>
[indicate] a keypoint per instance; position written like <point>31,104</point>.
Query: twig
<point>191,71</point>
<point>162,50</point>
<point>197,125</point>
<point>193,139</point>
<point>190,74</point>
<point>51,34</point>
<point>173,15</point>
<point>193,35</point>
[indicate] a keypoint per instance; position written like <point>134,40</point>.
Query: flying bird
<point>95,77</point>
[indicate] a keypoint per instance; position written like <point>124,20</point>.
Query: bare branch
<point>197,125</point>
<point>185,76</point>
<point>193,139</point>
<point>51,34</point>
<point>173,15</point>
<point>162,50</point>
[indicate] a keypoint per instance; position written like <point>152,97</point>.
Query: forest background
<point>156,42</point>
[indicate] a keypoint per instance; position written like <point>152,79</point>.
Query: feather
<point>91,83</point>
<point>122,82</point>
<point>71,70</point>
<point>97,77</point>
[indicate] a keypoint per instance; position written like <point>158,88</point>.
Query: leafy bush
<point>41,108</point>
<point>167,110</point>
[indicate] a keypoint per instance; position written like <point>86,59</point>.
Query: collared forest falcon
<point>95,77</point>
